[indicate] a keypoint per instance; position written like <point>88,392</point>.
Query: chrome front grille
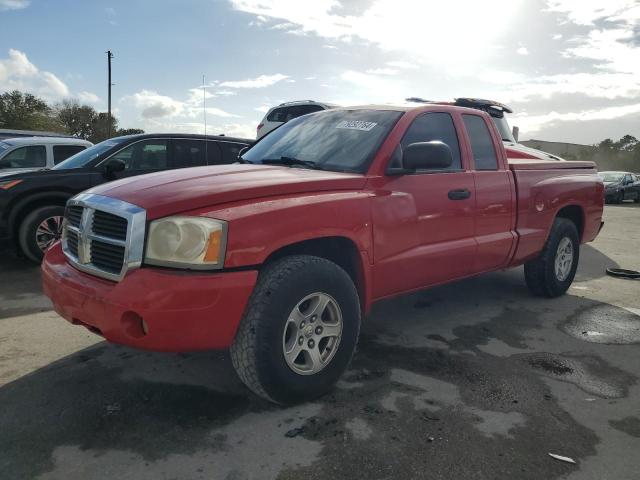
<point>103,236</point>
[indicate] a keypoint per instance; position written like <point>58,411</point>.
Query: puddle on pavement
<point>590,374</point>
<point>604,324</point>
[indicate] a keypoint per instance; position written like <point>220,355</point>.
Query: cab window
<point>435,126</point>
<point>484,152</point>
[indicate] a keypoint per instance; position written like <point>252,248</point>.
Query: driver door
<point>424,221</point>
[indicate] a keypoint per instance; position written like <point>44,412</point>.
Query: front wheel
<point>299,330</point>
<point>552,272</point>
<point>39,230</point>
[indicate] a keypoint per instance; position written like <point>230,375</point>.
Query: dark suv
<point>32,202</point>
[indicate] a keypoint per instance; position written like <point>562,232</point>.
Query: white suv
<point>284,112</point>
<point>31,153</point>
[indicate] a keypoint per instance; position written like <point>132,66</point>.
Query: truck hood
<point>175,191</point>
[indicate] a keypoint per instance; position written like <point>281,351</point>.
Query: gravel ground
<point>476,379</point>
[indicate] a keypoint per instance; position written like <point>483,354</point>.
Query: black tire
<point>619,198</point>
<point>27,231</point>
<point>540,273</point>
<point>257,351</point>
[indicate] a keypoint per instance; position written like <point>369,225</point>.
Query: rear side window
<point>62,152</point>
<point>435,126</point>
<point>33,156</point>
<point>230,151</point>
<point>484,152</point>
<point>214,157</point>
<point>189,153</point>
<point>284,114</point>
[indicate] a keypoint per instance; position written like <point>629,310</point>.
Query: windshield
<point>83,158</point>
<point>4,146</point>
<point>612,177</point>
<point>338,140</point>
<point>503,128</point>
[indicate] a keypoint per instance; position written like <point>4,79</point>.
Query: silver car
<point>33,153</point>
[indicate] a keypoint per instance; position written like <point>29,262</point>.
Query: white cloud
<point>387,24</point>
<point>153,105</point>
<point>262,108</point>
<point>534,123</point>
<point>259,82</point>
<point>522,51</point>
<point>18,73</point>
<point>586,12</point>
<point>225,93</point>
<point>88,97</point>
<point>403,65</point>
<point>383,71</point>
<point>13,4</point>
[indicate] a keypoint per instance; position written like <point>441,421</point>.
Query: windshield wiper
<point>290,161</point>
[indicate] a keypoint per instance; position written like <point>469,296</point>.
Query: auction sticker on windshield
<point>357,125</point>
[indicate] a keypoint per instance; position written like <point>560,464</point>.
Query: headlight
<point>187,242</point>
<point>7,184</point>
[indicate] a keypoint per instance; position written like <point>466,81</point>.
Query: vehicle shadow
<point>593,264</point>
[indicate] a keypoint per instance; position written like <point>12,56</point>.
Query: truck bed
<point>542,186</point>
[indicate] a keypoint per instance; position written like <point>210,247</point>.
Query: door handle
<point>461,194</point>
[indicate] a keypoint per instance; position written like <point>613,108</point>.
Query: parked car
<point>32,202</point>
<point>279,257</point>
<point>621,186</point>
<point>32,153</point>
<point>284,112</point>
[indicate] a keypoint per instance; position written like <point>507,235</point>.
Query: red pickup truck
<point>278,257</point>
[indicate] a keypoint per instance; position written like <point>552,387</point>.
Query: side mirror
<point>515,131</point>
<point>114,166</point>
<point>242,152</point>
<point>427,156</point>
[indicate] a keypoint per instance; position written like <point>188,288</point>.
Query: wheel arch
<point>340,250</point>
<point>26,205</point>
<point>574,213</point>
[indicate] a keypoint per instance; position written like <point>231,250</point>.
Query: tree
<point>129,131</point>
<point>101,128</point>
<point>626,143</point>
<point>24,111</point>
<point>78,120</point>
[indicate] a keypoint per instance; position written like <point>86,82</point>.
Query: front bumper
<point>151,309</point>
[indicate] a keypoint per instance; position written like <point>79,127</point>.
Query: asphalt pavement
<point>477,379</point>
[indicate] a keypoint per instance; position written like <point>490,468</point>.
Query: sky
<point>570,69</point>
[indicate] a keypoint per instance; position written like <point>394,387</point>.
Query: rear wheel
<point>39,230</point>
<point>553,271</point>
<point>299,330</point>
<point>619,198</point>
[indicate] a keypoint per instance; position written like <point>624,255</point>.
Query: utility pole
<point>109,57</point>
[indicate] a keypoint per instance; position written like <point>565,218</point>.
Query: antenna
<point>204,114</point>
<point>204,104</point>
